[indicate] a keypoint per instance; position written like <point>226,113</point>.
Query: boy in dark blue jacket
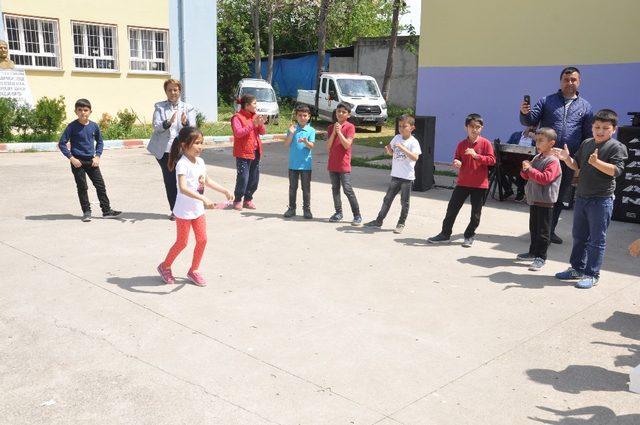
<point>86,147</point>
<point>570,116</point>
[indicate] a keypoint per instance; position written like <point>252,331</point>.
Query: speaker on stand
<point>425,133</point>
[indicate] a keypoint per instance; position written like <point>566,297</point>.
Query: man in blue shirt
<point>300,140</point>
<point>86,148</point>
<point>571,117</point>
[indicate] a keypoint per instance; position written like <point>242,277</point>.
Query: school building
<point>483,56</point>
<point>117,54</point>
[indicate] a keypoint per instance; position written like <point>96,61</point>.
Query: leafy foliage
<point>48,116</point>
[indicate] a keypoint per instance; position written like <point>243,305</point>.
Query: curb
<point>209,141</point>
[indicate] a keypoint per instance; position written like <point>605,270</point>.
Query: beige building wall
<point>108,91</point>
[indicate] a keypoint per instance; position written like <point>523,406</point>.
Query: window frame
<point>85,55</point>
<point>166,58</point>
<point>41,43</point>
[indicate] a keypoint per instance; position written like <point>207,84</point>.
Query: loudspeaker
<point>425,133</point>
<point>626,206</point>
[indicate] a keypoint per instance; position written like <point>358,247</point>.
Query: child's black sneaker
<point>373,223</point>
<point>86,216</point>
<point>290,212</point>
<point>525,256</point>
<point>439,238</point>
<point>336,217</point>
<point>307,214</point>
<point>111,214</point>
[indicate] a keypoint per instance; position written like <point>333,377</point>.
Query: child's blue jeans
<point>591,217</point>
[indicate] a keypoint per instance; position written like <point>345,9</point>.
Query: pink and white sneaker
<point>237,206</point>
<point>249,205</point>
<point>222,205</point>
<point>196,277</point>
<point>166,275</point>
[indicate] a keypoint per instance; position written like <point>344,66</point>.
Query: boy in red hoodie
<point>473,157</point>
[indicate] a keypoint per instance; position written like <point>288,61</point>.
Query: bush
<point>23,120</point>
<point>105,121</point>
<point>7,115</point>
<point>48,116</point>
<point>200,119</point>
<point>126,120</point>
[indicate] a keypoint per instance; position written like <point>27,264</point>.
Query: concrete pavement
<point>303,322</point>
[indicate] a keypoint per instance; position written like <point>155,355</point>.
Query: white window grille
<point>148,50</point>
<point>94,46</point>
<point>33,42</point>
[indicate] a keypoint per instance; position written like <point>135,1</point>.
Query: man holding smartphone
<point>571,117</point>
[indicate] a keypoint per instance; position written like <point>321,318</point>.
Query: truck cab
<point>361,92</point>
<point>267,103</point>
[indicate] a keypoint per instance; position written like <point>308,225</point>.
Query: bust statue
<point>5,62</point>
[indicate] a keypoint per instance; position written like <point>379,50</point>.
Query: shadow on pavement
<point>297,217</point>
<point>525,281</point>
<point>625,324</point>
<point>491,262</point>
<point>578,378</point>
<point>124,217</point>
<point>132,284</point>
<point>362,229</point>
<point>53,217</point>
<point>631,360</point>
<point>598,415</point>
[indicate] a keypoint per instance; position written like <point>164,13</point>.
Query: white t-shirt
<point>401,166</point>
<point>186,207</point>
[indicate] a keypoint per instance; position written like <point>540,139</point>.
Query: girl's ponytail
<point>174,154</point>
<point>186,137</point>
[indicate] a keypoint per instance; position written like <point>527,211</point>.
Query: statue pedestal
<point>14,85</point>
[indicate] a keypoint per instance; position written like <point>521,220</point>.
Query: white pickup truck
<point>361,92</point>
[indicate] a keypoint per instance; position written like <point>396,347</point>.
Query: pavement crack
<point>196,332</point>
<point>162,370</point>
<point>513,348</point>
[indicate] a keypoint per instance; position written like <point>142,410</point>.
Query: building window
<point>94,46</point>
<point>33,42</point>
<point>148,50</point>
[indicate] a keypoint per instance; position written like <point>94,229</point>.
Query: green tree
<point>235,46</point>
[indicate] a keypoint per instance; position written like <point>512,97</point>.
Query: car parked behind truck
<point>267,103</point>
<point>361,92</point>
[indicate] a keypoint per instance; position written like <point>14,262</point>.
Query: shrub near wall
<point>19,122</point>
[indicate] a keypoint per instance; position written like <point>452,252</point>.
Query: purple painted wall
<point>451,93</point>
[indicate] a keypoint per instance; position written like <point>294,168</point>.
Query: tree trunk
<point>255,17</point>
<point>393,40</point>
<point>270,53</point>
<point>322,41</point>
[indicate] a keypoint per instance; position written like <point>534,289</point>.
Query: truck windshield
<point>358,88</point>
<point>262,94</point>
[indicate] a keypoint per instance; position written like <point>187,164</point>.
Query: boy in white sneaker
<point>405,150</point>
<point>543,175</point>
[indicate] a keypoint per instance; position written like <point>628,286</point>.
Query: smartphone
<point>527,99</point>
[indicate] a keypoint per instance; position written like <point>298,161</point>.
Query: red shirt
<point>339,156</point>
<point>475,171</point>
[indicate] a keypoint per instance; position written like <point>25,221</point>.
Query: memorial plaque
<point>14,85</point>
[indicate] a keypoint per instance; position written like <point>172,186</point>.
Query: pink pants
<point>199,229</point>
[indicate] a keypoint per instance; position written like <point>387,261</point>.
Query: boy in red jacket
<point>473,157</point>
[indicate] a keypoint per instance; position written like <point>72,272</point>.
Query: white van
<point>265,97</point>
<point>361,92</point>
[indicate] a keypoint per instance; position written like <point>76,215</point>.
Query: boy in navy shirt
<point>86,147</point>
<point>300,141</point>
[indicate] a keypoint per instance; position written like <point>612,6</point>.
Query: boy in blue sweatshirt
<point>86,144</point>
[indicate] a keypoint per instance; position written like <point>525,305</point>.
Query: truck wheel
<point>378,128</point>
